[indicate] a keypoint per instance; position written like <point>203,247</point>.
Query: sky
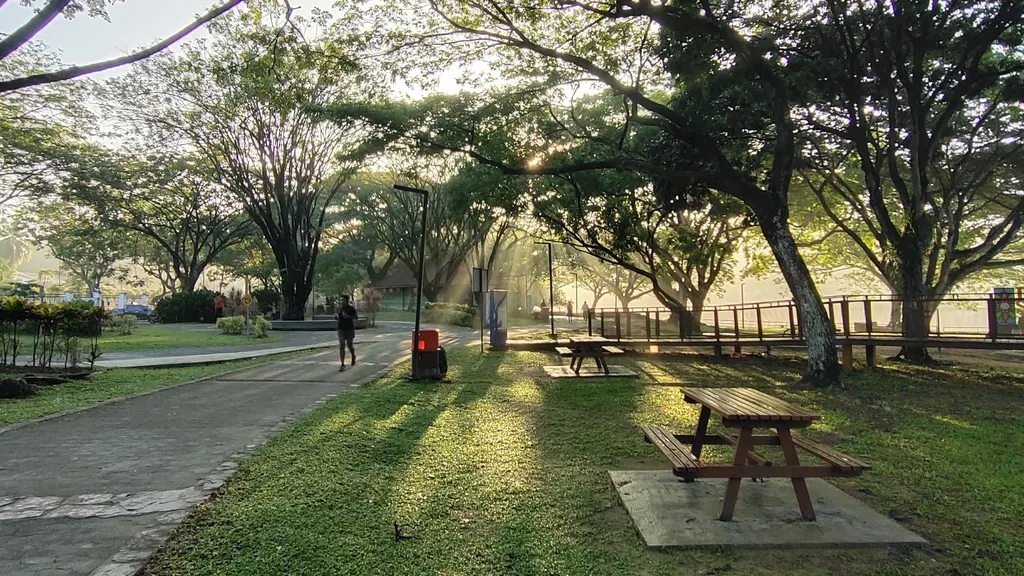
<point>133,24</point>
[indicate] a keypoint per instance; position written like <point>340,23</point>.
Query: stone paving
<point>95,493</point>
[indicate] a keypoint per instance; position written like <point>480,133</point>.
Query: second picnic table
<point>748,409</point>
<point>583,347</point>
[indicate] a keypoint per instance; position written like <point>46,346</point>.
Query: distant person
<point>218,306</point>
<point>585,309</point>
<point>568,311</point>
<point>346,330</point>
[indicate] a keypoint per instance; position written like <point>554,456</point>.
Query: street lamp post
<point>419,277</point>
<point>551,288</point>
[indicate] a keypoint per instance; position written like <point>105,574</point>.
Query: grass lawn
<point>503,471</point>
<point>114,383</point>
<point>156,337</point>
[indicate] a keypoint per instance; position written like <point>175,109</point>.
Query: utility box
<point>430,341</point>
<point>431,361</point>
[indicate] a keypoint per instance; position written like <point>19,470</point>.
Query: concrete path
<point>95,492</point>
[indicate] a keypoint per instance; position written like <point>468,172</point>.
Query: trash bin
<point>429,356</point>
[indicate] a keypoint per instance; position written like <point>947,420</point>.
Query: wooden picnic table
<point>582,347</point>
<point>747,409</point>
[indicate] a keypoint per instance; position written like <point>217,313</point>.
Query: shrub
<point>266,299</point>
<point>231,324</point>
<point>124,324</point>
<point>448,316</point>
<point>468,309</point>
<point>186,307</point>
<point>13,386</point>
<point>261,327</point>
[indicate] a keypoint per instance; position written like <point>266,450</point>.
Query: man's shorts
<point>346,335</point>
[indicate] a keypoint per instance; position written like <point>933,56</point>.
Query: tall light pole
<point>551,288</point>
<point>419,277</point>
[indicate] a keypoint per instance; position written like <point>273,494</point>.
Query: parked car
<point>138,310</point>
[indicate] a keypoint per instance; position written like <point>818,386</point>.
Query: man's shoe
<point>342,368</point>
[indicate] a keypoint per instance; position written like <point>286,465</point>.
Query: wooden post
<point>760,329</point>
<point>629,324</point>
<point>657,324</point>
<point>867,314</point>
<point>603,335</point>
<point>993,330</point>
<point>792,324</point>
<point>718,330</point>
<point>844,309</point>
<point>869,351</point>
<point>737,349</point>
<point>647,319</point>
<point>848,356</point>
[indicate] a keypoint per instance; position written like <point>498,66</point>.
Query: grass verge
<point>115,383</point>
<point>159,337</point>
<point>504,471</point>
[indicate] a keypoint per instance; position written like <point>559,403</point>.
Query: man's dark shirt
<point>347,323</point>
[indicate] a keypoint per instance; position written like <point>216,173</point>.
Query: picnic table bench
<point>582,347</point>
<point>747,409</point>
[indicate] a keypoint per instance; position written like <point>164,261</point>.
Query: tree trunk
<point>822,359</point>
<point>912,298</point>
<point>896,313</point>
<point>696,310</point>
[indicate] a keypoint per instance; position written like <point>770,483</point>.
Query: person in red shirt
<point>218,306</point>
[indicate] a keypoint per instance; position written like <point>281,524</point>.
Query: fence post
<point>737,349</point>
<point>993,329</point>
<point>657,324</point>
<point>603,335</point>
<point>718,331</point>
<point>867,314</point>
<point>844,309</point>
<point>760,330</point>
<point>647,319</point>
<point>618,325</point>
<point>629,324</point>
<point>590,323</point>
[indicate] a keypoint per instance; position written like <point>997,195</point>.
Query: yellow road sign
<point>247,300</point>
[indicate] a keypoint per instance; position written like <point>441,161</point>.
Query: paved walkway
<point>95,492</point>
<point>290,342</point>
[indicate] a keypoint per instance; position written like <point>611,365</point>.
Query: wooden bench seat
<point>847,464</point>
<point>564,352</point>
<point>684,463</point>
<point>612,350</point>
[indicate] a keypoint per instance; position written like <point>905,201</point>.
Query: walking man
<point>346,330</point>
<point>568,311</point>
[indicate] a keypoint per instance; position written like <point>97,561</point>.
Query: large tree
<point>458,221</point>
<point>75,235</point>
<point>913,141</point>
<point>174,201</point>
<point>726,125</point>
<point>240,99</point>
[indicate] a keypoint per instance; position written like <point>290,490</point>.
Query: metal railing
<point>852,317</point>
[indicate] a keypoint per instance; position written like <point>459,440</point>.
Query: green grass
<point>113,383</point>
<point>504,471</point>
<point>158,337</point>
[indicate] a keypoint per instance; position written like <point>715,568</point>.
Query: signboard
<point>247,300</point>
<point>1006,310</point>
<point>479,280</point>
